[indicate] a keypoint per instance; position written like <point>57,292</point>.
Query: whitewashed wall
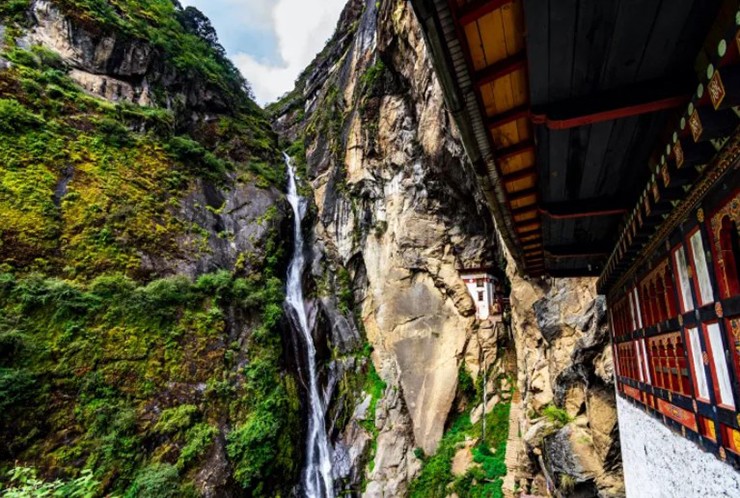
<point>660,464</point>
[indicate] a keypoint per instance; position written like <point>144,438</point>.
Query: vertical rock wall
<point>397,206</point>
<point>566,383</point>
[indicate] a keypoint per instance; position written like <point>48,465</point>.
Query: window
<point>679,259</point>
<point>480,296</point>
<point>728,258</point>
<point>479,282</point>
<point>700,378</point>
<point>720,374</point>
<point>701,275</point>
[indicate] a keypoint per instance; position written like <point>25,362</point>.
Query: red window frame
<point>689,350</point>
<point>726,286</point>
<point>711,359</point>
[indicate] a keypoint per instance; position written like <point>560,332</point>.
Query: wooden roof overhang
<point>702,150</point>
<point>561,105</point>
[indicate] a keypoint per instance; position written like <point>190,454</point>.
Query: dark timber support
<point>501,69</point>
<point>632,100</point>
<point>509,116</point>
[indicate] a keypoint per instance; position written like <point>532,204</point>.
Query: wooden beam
<point>577,251</point>
<point>586,208</point>
<point>477,9</point>
<point>619,103</point>
<point>529,232</point>
<point>501,69</point>
<point>522,194</point>
<point>520,175</point>
<point>514,150</point>
<point>509,116</point>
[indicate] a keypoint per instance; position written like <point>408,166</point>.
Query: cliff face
<point>569,432</point>
<point>397,208</point>
<point>140,258</point>
<point>142,250</point>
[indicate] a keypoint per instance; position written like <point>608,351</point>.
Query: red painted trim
<point>610,115</point>
<point>475,10</point>
<point>509,116</point>
<point>587,214</point>
<point>514,150</point>
<point>580,255</point>
<point>520,175</point>
<point>501,69</point>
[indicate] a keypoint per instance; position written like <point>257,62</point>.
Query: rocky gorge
<point>143,261</point>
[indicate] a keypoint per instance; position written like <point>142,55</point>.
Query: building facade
<point>482,288</point>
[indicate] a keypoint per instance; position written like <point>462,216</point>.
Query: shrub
<point>199,438</point>
<point>176,419</point>
<point>14,117</point>
<point>17,389</point>
<point>24,483</point>
<point>159,480</point>
<point>556,415</point>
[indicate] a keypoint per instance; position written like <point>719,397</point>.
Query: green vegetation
<point>81,192</point>
<point>114,376</point>
<point>372,79</point>
<point>25,483</point>
<point>481,481</point>
<point>112,347</point>
<point>557,416</point>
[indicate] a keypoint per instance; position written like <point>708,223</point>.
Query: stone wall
<point>661,464</point>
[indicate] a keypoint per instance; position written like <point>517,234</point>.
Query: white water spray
<point>316,476</point>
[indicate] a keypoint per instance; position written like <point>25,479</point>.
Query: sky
<point>271,41</point>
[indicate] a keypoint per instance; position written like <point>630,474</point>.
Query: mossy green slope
<point>109,365</point>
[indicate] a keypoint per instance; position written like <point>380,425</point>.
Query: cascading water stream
<point>316,476</point>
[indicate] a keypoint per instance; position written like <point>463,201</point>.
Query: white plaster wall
<point>660,464</point>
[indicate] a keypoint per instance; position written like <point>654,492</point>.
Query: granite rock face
<point>397,206</point>
<point>565,368</point>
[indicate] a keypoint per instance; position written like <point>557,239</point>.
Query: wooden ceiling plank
<point>510,116</point>
<point>491,28</point>
<point>513,26</point>
<point>475,46</point>
<point>536,15</point>
<point>561,43</point>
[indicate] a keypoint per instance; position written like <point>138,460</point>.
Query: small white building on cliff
<point>482,287</point>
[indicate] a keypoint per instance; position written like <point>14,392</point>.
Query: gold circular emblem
<point>700,215</point>
<point>718,310</point>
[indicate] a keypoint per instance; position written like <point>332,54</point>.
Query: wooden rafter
<point>624,102</point>
<point>501,69</point>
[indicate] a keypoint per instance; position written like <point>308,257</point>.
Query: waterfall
<point>316,475</point>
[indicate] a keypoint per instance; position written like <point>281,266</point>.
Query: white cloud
<point>301,27</point>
